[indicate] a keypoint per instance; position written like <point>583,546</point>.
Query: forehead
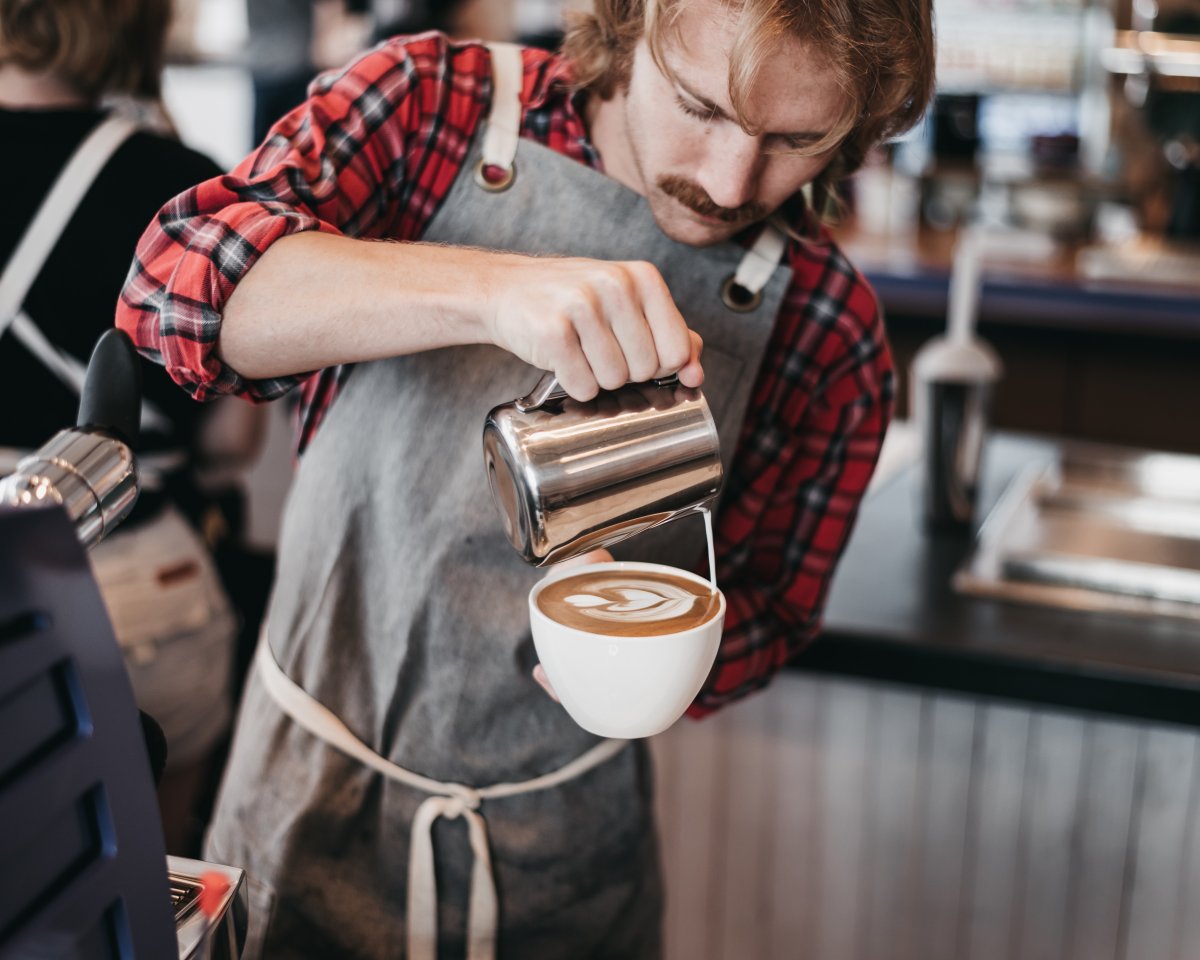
<point>794,87</point>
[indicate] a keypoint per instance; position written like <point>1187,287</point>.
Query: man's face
<point>704,177</point>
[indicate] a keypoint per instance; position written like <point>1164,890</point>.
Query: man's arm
<point>249,281</point>
<point>314,301</point>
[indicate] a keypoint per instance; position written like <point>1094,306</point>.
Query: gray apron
<point>399,622</point>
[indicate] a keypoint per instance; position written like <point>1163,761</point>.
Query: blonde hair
<point>97,46</point>
<point>880,51</point>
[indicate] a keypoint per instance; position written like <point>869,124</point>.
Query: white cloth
<point>175,627</point>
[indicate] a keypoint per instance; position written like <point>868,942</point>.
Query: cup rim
<point>536,611</point>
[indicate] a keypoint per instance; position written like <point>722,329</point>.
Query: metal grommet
<point>737,298</point>
<point>495,186</point>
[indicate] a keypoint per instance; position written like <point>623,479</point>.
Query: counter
<point>1142,287</point>
<point>892,615</point>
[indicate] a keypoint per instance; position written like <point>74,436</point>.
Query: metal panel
<point>827,819</point>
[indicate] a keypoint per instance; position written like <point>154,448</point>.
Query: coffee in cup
<point>626,646</point>
<point>627,604</point>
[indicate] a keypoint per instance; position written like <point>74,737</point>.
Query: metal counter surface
<point>892,615</point>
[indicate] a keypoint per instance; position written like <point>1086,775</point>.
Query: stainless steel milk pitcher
<point>568,477</point>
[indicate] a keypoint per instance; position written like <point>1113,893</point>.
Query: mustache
<point>696,198</point>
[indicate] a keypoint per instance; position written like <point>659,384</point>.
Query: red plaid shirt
<point>372,153</point>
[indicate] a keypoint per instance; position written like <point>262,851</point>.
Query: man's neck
<point>607,130</point>
<point>24,90</point>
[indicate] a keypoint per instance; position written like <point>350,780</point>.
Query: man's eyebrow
<point>716,111</point>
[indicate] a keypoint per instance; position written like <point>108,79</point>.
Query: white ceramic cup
<point>625,687</point>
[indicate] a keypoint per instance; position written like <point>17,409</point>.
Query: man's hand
<point>594,556</point>
<point>597,324</point>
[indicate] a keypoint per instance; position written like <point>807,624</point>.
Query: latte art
<point>631,604</point>
<point>618,602</point>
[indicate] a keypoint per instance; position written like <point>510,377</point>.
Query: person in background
<point>280,57</point>
<point>62,263</point>
<point>603,214</point>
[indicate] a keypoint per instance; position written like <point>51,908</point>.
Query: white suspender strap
<point>504,118</point>
<point>38,241</point>
<point>72,372</point>
<point>447,800</point>
<point>55,212</point>
<point>760,261</point>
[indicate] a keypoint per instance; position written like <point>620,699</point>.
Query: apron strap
<point>56,210</point>
<point>73,372</point>
<point>760,261</point>
<point>742,290</point>
<point>38,241</point>
<point>449,800</point>
<point>503,130</point>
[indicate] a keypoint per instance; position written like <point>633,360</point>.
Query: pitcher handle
<point>548,389</point>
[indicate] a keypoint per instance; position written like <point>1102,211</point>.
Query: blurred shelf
<point>1162,54</point>
<point>1070,287</point>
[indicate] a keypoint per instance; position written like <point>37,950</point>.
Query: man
<point>598,215</point>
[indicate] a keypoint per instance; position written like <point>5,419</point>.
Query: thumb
<point>584,559</point>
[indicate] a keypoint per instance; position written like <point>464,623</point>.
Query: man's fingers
<point>672,342</point>
<point>539,674</point>
<point>691,374</point>
<point>570,364</point>
<point>626,316</point>
<point>597,338</point>
<point>584,559</point>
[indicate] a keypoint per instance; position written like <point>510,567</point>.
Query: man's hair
<point>881,52</point>
<point>97,46</point>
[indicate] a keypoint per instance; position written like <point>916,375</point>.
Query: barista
<point>561,213</point>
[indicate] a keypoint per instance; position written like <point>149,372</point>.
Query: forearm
<point>316,300</point>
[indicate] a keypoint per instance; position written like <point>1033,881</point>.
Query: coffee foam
<point>630,603</point>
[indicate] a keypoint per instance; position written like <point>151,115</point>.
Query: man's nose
<point>731,169</point>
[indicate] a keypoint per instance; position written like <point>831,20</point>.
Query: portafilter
<point>89,469</point>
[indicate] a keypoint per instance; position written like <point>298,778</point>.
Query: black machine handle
<point>111,400</point>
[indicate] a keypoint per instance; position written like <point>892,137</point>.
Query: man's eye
<point>700,113</point>
<point>796,146</point>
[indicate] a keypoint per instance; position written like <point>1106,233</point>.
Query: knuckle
<point>675,355</point>
<point>583,303</point>
<point>648,273</point>
<point>561,335</point>
<point>612,377</point>
<point>577,385</point>
<point>614,283</point>
<point>643,369</point>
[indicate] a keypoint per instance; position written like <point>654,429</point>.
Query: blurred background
<point>941,775</point>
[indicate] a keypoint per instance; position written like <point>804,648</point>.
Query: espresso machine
<point>83,869</point>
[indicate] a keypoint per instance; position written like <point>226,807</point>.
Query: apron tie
<point>448,800</point>
<point>482,911</point>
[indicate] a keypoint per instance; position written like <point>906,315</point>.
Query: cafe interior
<point>992,747</point>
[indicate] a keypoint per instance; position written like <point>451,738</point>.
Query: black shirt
<point>74,297</point>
